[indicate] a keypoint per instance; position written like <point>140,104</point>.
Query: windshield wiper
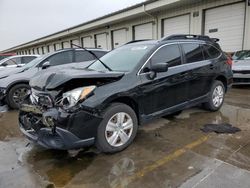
<point>106,66</point>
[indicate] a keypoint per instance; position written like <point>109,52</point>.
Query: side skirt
<point>182,106</point>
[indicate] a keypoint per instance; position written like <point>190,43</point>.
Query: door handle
<point>211,66</point>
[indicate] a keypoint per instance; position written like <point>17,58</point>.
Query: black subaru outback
<point>104,103</point>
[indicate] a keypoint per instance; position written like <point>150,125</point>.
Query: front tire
<point>216,96</point>
<point>117,129</point>
<point>16,95</point>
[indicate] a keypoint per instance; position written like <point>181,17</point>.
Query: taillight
<point>229,62</point>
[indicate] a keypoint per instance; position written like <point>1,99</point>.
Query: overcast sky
<point>25,20</point>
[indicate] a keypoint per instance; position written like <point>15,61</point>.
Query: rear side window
<point>12,61</point>
<point>81,56</point>
<point>27,59</point>
<point>61,58</point>
<point>210,52</point>
<point>193,52</point>
<point>99,53</point>
<point>168,54</point>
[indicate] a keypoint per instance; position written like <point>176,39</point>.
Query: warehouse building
<point>228,20</point>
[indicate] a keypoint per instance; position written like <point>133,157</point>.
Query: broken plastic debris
<point>220,128</point>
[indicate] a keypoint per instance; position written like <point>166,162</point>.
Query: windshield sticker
<point>139,48</point>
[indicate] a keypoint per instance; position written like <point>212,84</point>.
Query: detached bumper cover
<point>70,130</point>
<point>59,139</point>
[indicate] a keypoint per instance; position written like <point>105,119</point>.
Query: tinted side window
<point>210,52</point>
<point>81,56</point>
<point>61,58</point>
<point>27,59</point>
<point>99,53</point>
<point>193,52</point>
<point>12,61</point>
<point>168,54</point>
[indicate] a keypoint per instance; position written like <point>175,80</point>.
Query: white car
<point>241,67</point>
<point>16,61</point>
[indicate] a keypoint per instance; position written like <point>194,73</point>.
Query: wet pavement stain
<point>156,141</point>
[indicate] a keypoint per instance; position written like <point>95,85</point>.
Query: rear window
<point>100,53</point>
<point>12,61</point>
<point>28,59</point>
<point>193,52</point>
<point>210,52</point>
<point>61,58</point>
<point>81,56</point>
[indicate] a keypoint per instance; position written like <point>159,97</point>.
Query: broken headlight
<point>71,98</point>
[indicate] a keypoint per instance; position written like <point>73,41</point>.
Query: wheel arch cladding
<point>17,83</point>
<point>131,103</point>
<point>223,80</point>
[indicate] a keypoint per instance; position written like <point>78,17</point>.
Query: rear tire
<point>216,96</point>
<point>117,129</point>
<point>16,95</point>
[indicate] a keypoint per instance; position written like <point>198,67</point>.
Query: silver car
<point>241,67</point>
<point>16,61</point>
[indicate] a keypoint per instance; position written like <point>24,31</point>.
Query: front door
<point>167,89</point>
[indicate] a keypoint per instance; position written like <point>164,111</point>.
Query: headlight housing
<point>71,98</point>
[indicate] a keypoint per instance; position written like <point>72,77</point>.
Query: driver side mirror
<point>45,65</point>
<point>159,67</point>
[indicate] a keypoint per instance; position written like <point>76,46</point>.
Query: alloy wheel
<point>119,129</point>
<point>20,94</point>
<point>218,96</point>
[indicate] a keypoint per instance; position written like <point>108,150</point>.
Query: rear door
<point>198,70</point>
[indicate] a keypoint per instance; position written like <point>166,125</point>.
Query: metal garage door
<point>144,31</point>
<point>44,50</point>
<point>76,42</point>
<point>101,41</point>
<point>40,50</point>
<point>227,24</point>
<point>176,25</point>
<point>119,37</point>
<point>51,48</point>
<point>86,42</point>
<point>57,46</point>
<point>66,44</point>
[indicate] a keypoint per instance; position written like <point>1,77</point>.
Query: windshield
<point>241,55</point>
<point>34,62</point>
<point>122,59</point>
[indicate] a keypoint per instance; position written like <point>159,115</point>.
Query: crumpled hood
<point>4,72</point>
<point>51,79</point>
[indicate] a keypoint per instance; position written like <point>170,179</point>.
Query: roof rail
<point>188,36</point>
<point>133,41</point>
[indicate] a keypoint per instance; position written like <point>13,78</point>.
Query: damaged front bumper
<point>56,129</point>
